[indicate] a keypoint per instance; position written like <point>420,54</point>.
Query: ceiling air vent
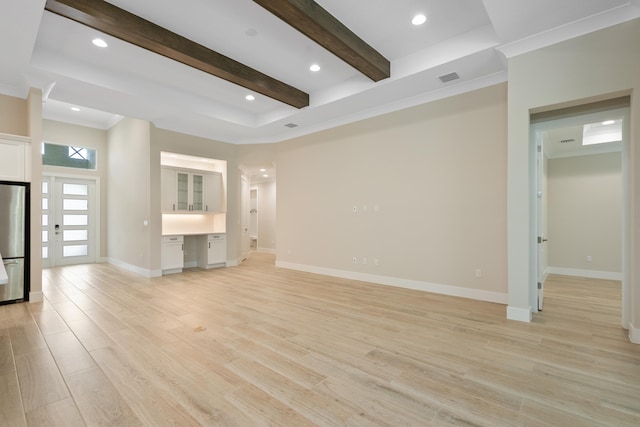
<point>566,141</point>
<point>291,125</point>
<point>449,77</point>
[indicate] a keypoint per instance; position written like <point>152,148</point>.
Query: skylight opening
<point>602,132</point>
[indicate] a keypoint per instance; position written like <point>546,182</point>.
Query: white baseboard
<point>171,271</point>
<point>589,274</point>
<point>634,334</point>
<point>266,250</point>
<point>456,291</point>
<point>36,296</point>
<point>134,268</point>
<point>519,314</point>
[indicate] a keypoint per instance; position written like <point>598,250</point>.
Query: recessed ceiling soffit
<point>305,15</point>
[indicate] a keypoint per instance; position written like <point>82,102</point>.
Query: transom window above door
<point>68,156</point>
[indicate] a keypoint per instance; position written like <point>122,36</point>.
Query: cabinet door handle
<point>183,247</point>
<point>174,206</point>
<point>209,245</point>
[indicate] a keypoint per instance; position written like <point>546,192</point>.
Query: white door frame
<point>245,195</point>
<point>626,207</point>
<point>541,226</point>
<point>96,227</point>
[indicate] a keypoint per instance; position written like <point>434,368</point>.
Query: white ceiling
<point>565,137</point>
<point>471,37</point>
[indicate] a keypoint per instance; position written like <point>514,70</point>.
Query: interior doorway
<point>253,221</point>
<point>261,207</point>
<point>582,150</point>
<point>245,200</point>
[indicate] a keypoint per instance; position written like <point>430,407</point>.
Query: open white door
<point>541,211</point>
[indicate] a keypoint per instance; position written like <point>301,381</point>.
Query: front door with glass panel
<point>68,221</point>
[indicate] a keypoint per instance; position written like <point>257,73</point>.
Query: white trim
<point>571,30</point>
<point>590,274</point>
<point>519,314</point>
<point>457,291</point>
<point>18,138</point>
<point>134,268</point>
<point>233,263</point>
<point>375,111</point>
<point>36,296</point>
<point>266,250</point>
<point>634,334</point>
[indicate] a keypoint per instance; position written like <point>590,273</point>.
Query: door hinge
<point>539,285</point>
<point>539,148</point>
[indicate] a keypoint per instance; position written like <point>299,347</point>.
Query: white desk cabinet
<point>213,251</point>
<point>172,254</point>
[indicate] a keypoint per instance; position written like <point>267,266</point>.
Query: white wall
<point>13,116</point>
<point>604,64</point>
<point>34,120</point>
<point>432,180</point>
<point>128,196</point>
<point>585,214</point>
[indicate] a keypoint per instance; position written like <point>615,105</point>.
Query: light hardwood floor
<point>257,345</point>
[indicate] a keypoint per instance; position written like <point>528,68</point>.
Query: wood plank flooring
<point>258,345</point>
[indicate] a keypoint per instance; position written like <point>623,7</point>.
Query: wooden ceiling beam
<point>119,23</point>
<point>313,21</point>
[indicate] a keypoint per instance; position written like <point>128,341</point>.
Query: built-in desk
<point>190,250</point>
<point>4,279</point>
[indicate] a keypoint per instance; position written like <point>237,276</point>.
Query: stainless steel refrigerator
<point>14,240</point>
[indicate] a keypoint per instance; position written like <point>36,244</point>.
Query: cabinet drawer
<point>172,239</point>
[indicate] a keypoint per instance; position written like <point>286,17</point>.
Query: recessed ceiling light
<point>265,176</point>
<point>608,122</point>
<point>249,97</point>
<point>263,170</point>
<point>419,19</point>
<point>315,68</point>
<point>75,109</point>
<point>99,42</point>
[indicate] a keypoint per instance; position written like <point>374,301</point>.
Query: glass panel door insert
<point>68,222</point>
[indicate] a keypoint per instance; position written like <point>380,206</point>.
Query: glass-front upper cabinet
<point>182,203</point>
<point>185,191</point>
<point>197,202</point>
